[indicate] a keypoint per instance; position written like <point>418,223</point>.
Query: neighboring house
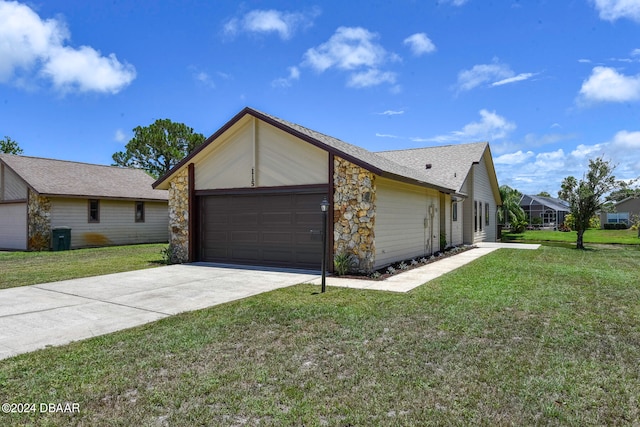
<point>251,194</point>
<point>623,212</point>
<point>103,205</point>
<point>551,211</point>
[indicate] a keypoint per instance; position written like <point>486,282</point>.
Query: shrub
<point>618,226</point>
<point>342,263</point>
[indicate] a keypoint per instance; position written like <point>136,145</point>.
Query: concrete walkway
<point>38,316</point>
<point>418,276</point>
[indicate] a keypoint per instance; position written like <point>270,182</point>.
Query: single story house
<point>251,194</point>
<point>623,212</point>
<point>549,210</point>
<point>102,205</point>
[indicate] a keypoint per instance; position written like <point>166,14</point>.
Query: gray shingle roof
<point>551,202</point>
<point>403,165</point>
<point>449,163</point>
<point>65,178</point>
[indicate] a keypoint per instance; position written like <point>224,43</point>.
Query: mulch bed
<point>409,264</point>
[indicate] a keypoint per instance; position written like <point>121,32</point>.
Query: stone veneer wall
<point>39,218</point>
<point>354,213</point>
<point>179,217</point>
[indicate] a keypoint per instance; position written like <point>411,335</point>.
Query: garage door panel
<point>277,237</point>
<point>262,229</point>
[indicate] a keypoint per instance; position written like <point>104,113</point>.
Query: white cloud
<point>481,74</point>
<point>391,113</point>
<point>611,10</point>
<point>584,61</point>
<point>294,74</point>
<point>420,44</point>
<point>520,77</point>
<point>606,84</point>
<point>626,140</point>
<point>456,2</point>
<point>349,48</point>
<point>490,127</point>
<point>31,47</point>
<point>119,136</point>
<point>514,158</point>
<point>386,135</point>
<point>285,24</point>
<point>584,151</point>
<point>356,50</point>
<point>371,77</point>
<point>635,52</point>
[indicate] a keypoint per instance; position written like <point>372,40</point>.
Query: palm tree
<point>511,212</point>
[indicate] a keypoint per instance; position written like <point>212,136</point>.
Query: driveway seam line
<point>104,301</point>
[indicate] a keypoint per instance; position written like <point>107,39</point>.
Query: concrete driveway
<point>33,317</point>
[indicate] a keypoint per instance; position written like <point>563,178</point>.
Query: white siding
<point>117,224</point>
<point>12,187</point>
<point>456,226</point>
<point>229,161</point>
<point>400,231</point>
<point>13,226</point>
<point>255,154</point>
<point>483,193</point>
<point>286,160</point>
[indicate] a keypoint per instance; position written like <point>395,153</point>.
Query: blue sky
<point>549,84</point>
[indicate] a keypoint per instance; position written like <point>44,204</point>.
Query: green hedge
<point>618,226</point>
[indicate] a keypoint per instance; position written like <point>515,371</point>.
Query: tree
<point>158,147</point>
<point>585,196</point>
<point>511,211</point>
<point>623,193</point>
<point>543,194</point>
<point>9,146</point>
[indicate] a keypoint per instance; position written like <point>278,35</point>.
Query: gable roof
<point>373,162</point>
<point>450,163</point>
<point>73,179</point>
<point>551,202</point>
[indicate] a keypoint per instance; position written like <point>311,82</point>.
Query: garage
<point>13,226</point>
<point>272,229</point>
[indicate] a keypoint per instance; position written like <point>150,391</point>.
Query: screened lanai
<point>551,211</point>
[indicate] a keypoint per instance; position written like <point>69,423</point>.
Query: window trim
<point>454,211</point>
<point>97,209</point>
<point>135,211</point>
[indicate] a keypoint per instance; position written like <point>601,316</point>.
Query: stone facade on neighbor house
<point>354,213</point>
<point>179,217</point>
<point>39,218</point>
<point>387,206</point>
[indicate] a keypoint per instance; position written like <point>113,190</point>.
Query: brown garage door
<point>265,229</point>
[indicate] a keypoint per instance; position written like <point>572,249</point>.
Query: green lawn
<point>546,337</point>
<point>29,268</point>
<point>623,237</point>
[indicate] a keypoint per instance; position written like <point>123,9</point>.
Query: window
<point>486,213</point>
<point>480,218</point>
<point>475,215</point>
<point>618,217</point>
<point>94,210</point>
<point>139,211</point>
<point>454,211</point>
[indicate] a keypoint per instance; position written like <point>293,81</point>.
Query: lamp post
<point>324,207</point>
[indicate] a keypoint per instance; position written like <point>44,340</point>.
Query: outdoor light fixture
<point>324,207</point>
